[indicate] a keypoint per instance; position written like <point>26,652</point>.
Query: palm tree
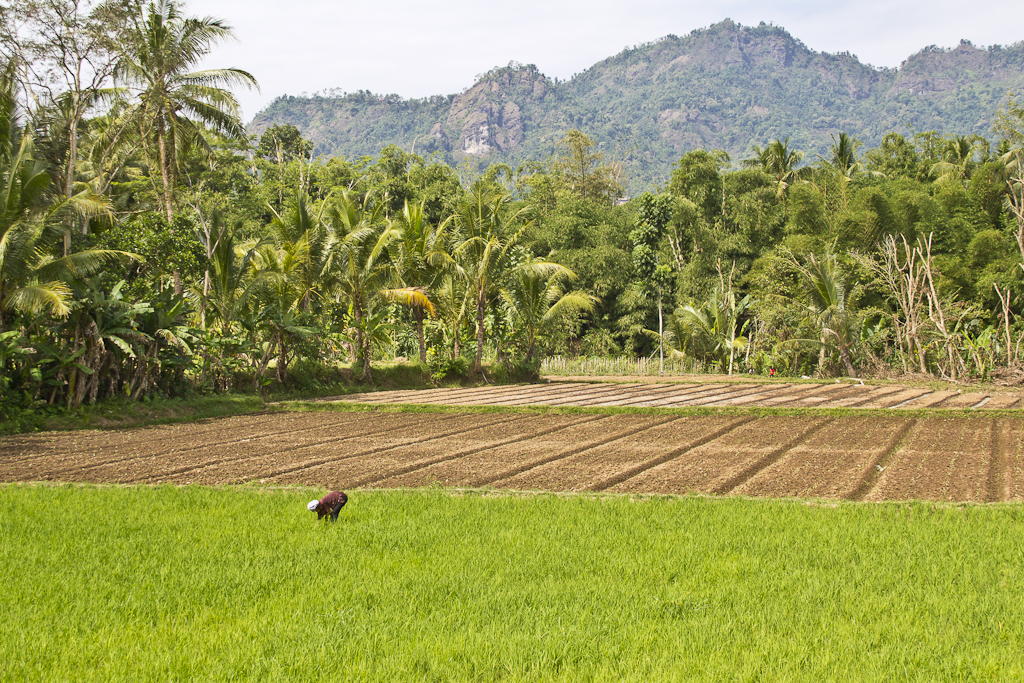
<point>302,231</point>
<point>420,257</point>
<point>778,161</point>
<point>32,280</point>
<point>958,159</point>
<point>536,298</point>
<point>488,231</point>
<point>708,330</point>
<point>825,287</point>
<point>843,156</point>
<point>159,49</point>
<point>231,278</point>
<point>365,275</point>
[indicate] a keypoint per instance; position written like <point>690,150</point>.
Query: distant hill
<point>727,86</point>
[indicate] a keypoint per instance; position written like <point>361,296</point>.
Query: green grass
<point>126,413</point>
<point>192,583</point>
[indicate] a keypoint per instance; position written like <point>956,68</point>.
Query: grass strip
<point>121,414</point>
<point>190,583</point>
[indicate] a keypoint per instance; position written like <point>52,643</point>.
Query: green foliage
<point>445,370</point>
<point>283,143</point>
<point>162,249</point>
<point>516,371</point>
<point>266,260</point>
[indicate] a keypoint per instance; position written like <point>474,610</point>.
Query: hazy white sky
<point>417,48</point>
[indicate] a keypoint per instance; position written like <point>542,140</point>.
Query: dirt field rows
<point>683,394</point>
<point>944,457</point>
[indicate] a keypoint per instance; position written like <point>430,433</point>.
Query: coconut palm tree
<point>489,231</point>
<point>958,159</point>
<point>32,279</point>
<point>708,330</point>
<point>420,256</point>
<point>537,299</point>
<point>366,277</point>
<point>778,161</point>
<point>231,277</point>
<point>159,50</point>
<point>825,288</point>
<point>302,231</point>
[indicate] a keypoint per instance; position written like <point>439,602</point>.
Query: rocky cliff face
<point>727,86</point>
<point>488,118</point>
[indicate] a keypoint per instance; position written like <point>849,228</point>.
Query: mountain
<point>726,87</point>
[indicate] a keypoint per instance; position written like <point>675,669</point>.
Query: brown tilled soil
<point>684,392</point>
<point>943,456</point>
<point>900,457</point>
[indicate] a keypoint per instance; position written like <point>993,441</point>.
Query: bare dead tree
<point>1004,301</point>
<point>900,268</point>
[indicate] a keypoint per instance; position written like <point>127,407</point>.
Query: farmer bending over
<point>330,504</point>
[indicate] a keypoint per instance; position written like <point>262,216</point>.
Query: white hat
<point>312,505</point>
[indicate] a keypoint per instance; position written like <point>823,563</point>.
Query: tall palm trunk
<point>419,330</point>
<point>165,174</point>
<point>362,343</point>
<point>481,309</point>
<point>165,169</point>
<point>69,180</point>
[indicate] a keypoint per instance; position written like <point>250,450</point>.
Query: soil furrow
<point>648,393</point>
<point>873,395</point>
<point>56,466</point>
<point>748,472</point>
<point>710,396</point>
<point>910,400</point>
<point>153,466</point>
<point>312,463</point>
<point>963,400</point>
<point>942,459</point>
<point>727,398</point>
<point>517,397</point>
<point>674,396</point>
<point>568,453</point>
<point>572,399</point>
<point>199,445</point>
<point>482,397</point>
<point>672,454</point>
<point>26,449</point>
<point>893,399</point>
<point>808,392</point>
<point>761,394</point>
<point>272,474</point>
<point>997,489</point>
<point>936,399</point>
<point>1002,402</point>
<point>684,397</point>
<point>399,471</point>
<point>878,465</point>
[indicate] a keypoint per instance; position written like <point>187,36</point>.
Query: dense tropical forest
<point>150,247</point>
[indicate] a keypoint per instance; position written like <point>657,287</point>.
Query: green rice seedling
<point>196,583</point>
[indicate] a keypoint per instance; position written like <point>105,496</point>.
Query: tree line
<point>150,247</point>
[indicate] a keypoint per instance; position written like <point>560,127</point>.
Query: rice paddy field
<point>601,532</point>
<point>200,583</point>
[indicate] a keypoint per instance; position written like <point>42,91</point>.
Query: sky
<point>417,48</point>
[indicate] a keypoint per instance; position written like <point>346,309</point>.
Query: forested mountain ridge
<point>727,87</point>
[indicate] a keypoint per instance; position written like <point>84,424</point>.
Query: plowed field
<point>946,457</point>
<point>683,394</point>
